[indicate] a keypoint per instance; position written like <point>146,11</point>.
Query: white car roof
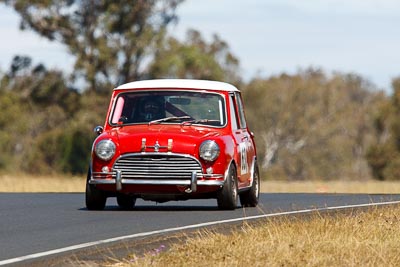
<point>179,83</point>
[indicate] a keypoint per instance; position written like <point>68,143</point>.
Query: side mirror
<point>98,130</point>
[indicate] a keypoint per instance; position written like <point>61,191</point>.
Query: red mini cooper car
<point>174,139</point>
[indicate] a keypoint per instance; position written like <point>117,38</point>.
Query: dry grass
<point>370,238</point>
<point>64,183</point>
<point>27,183</point>
<point>368,187</point>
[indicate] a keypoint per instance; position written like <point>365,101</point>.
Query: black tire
<point>228,196</point>
<point>95,199</point>
<point>126,202</point>
<point>250,197</point>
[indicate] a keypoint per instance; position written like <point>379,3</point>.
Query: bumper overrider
<point>157,169</point>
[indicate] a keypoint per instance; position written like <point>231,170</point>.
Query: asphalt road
<point>32,223</point>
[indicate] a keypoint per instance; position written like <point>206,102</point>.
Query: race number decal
<point>244,166</point>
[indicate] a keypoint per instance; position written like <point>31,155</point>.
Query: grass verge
<point>28,183</point>
<point>341,186</point>
<point>366,238</point>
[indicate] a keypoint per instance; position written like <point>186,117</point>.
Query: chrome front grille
<point>157,166</point>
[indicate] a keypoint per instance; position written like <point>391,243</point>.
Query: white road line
<point>110,240</point>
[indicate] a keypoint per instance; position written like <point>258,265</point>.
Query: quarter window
<point>239,104</point>
<point>234,119</point>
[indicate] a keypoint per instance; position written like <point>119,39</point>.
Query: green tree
<point>195,58</point>
<point>310,125</point>
<point>37,106</point>
<point>110,40</point>
<point>384,154</point>
<point>13,127</point>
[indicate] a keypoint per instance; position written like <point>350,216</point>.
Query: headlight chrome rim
<point>105,149</point>
<point>209,150</point>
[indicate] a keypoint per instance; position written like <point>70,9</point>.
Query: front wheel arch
<point>250,197</point>
<point>95,199</point>
<point>227,197</point>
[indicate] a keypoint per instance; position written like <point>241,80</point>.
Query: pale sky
<point>268,36</point>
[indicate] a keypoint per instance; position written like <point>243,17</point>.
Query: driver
<point>152,109</point>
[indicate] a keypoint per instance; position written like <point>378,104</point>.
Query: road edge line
<point>180,228</point>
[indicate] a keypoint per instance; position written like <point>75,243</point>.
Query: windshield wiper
<point>169,119</point>
<point>205,121</point>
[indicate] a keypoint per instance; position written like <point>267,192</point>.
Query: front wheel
<point>228,196</point>
<point>250,197</point>
<point>95,198</point>
<point>126,202</point>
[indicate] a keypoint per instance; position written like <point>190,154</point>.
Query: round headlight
<point>209,150</point>
<point>105,149</point>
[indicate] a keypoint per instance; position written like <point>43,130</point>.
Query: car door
<point>243,140</point>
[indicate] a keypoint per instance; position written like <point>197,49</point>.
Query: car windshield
<point>182,107</point>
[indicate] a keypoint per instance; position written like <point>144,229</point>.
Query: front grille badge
<point>157,146</point>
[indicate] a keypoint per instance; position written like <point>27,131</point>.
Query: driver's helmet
<point>152,109</point>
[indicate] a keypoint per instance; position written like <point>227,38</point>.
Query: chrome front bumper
<point>191,184</point>
<point>157,169</point>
